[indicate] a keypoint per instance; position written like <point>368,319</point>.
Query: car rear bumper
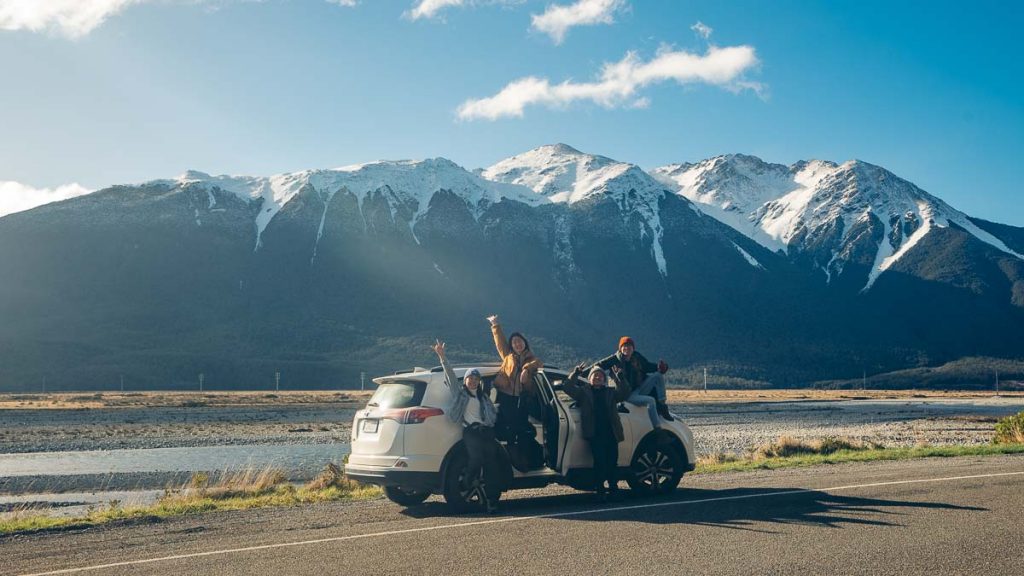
<point>394,477</point>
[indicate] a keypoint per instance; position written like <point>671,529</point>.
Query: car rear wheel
<point>656,468</point>
<point>464,494</point>
<point>405,496</point>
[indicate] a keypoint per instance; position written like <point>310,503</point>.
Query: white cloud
<point>17,197</point>
<point>77,18</point>
<point>71,18</point>
<point>558,19</point>
<point>702,30</point>
<point>431,8</point>
<point>620,81</point>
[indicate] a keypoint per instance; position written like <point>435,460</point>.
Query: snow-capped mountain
<point>758,269</point>
<point>563,174</point>
<point>825,214</point>
<point>407,185</point>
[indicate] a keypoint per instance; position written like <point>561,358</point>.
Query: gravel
<point>717,427</point>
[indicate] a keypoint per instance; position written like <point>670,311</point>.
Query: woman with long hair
<point>514,383</point>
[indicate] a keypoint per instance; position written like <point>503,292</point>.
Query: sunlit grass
<point>792,453</point>
<point>239,490</point>
<point>1010,430</point>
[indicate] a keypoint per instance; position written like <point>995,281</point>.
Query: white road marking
<point>516,519</point>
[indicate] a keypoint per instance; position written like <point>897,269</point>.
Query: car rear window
<point>398,394</point>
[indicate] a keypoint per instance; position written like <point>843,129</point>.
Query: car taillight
<point>410,415</point>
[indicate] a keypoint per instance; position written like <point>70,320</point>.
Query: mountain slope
<point>323,274</point>
<point>855,219</point>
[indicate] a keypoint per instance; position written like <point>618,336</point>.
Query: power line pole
<point>705,380</point>
<point>362,381</point>
<point>277,381</point>
<point>864,380</point>
<point>201,378</point>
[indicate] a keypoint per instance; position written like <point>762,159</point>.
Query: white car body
<point>404,442</point>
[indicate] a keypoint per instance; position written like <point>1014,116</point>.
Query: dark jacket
<point>634,370</point>
<point>582,393</point>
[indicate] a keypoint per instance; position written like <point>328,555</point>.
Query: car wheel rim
<point>653,469</point>
<point>474,493</point>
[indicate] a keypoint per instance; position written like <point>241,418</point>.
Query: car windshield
<point>398,394</point>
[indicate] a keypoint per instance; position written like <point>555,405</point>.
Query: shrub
<point>1010,430</point>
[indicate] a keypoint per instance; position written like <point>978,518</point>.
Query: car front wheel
<point>656,469</point>
<point>405,496</point>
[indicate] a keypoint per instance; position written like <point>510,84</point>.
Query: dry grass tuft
<point>787,446</point>
<point>1010,430</point>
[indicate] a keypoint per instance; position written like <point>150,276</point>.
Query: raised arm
<point>646,366</point>
<point>449,374</point>
<point>500,343</point>
<point>571,385</point>
<point>608,362</point>
<point>622,388</point>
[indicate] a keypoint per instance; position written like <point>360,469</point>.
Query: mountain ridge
<point>326,273</point>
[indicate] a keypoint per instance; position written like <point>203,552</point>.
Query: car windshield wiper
<point>374,404</point>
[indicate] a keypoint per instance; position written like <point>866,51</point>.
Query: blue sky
<point>933,91</point>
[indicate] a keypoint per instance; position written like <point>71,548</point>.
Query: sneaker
<point>664,413</point>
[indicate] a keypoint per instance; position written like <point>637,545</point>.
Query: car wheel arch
<point>655,436</point>
<point>460,448</point>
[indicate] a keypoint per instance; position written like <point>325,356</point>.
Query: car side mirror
<point>622,408</point>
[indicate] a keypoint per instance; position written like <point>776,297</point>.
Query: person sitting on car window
<point>599,422</point>
<point>473,409</point>
<point>514,383</point>
<point>645,379</point>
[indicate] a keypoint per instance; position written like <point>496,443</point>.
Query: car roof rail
<point>477,365</point>
<point>411,370</point>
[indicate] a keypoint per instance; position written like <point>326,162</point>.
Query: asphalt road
<point>935,516</point>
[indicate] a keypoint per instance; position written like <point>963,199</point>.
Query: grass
<point>792,453</point>
<point>1010,430</point>
<point>230,491</point>
<point>269,487</point>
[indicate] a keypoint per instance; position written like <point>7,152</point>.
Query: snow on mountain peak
<point>797,207</point>
<point>562,173</point>
<point>408,182</point>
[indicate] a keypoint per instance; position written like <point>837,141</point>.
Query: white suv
<point>403,442</point>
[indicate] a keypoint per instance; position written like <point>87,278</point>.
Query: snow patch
<point>563,174</point>
<point>746,255</point>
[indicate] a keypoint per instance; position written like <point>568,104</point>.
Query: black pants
<point>513,417</point>
<point>483,454</point>
<point>605,450</point>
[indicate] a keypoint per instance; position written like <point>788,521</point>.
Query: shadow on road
<point>737,508</point>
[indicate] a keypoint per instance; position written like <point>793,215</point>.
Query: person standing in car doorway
<point>472,408</point>
<point>514,383</point>
<point>600,423</point>
<point>645,379</point>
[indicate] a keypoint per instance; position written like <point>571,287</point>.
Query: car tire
<point>406,496</point>
<point>459,497</point>
<point>656,468</point>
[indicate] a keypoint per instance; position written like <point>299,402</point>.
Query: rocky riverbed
<point>142,427</point>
